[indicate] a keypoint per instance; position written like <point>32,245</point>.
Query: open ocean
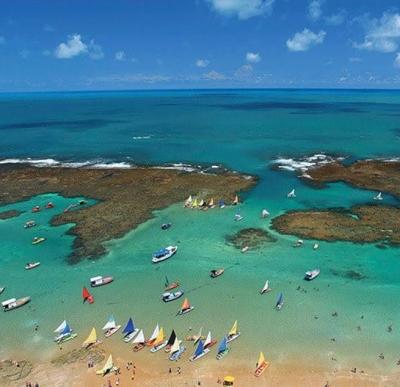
<point>244,130</point>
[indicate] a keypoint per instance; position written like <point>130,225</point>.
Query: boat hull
<point>21,302</point>
<point>105,281</point>
<point>158,347</point>
<point>130,336</point>
<point>174,296</point>
<point>221,355</point>
<point>261,369</point>
<point>66,338</point>
<point>176,355</point>
<point>138,347</point>
<point>233,337</point>
<point>32,266</point>
<point>182,312</point>
<point>194,358</point>
<point>110,332</point>
<point>164,257</point>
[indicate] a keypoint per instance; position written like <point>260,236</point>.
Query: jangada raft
<point>129,331</point>
<point>100,281</point>
<point>261,365</point>
<point>110,327</point>
<point>64,332</point>
<point>159,342</point>
<point>233,333</point>
<point>186,308</point>
<point>163,254</point>
<point>14,303</point>
<point>170,286</point>
<point>87,296</point>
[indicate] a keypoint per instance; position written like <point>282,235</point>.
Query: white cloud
<point>397,60</point>
<point>202,62</point>
<point>382,34</point>
<point>214,76</point>
<point>120,55</point>
<point>75,46</point>
<point>243,9</point>
<point>253,57</point>
<point>244,71</point>
<point>336,19</point>
<point>314,9</point>
<point>355,59</point>
<point>2,39</point>
<point>304,40</point>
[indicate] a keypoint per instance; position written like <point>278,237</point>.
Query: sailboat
<point>236,200</point>
<point>238,217</point>
<point>153,336</point>
<point>211,203</point>
<point>139,342</point>
<point>108,367</point>
<point>279,302</point>
<point>110,327</point>
<point>379,196</point>
<point>261,365</point>
<point>291,194</point>
<point>209,342</point>
<point>170,286</point>
<point>64,333</point>
<point>185,308</point>
<point>201,203</point>
<point>176,350</point>
<point>200,351</point>
<point>87,296</point>
<point>316,246</point>
<point>266,288</point>
<point>170,341</point>
<point>2,290</point>
<point>129,331</point>
<point>221,203</point>
<point>233,333</point>
<point>264,214</point>
<point>194,203</point>
<point>188,201</point>
<point>223,349</point>
<point>159,342</point>
<point>91,339</point>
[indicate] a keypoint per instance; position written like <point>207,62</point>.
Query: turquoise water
<point>244,130</point>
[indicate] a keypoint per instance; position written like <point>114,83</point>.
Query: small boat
<point>2,290</point>
<point>64,333</point>
<point>176,350</point>
<point>194,204</point>
<point>299,243</point>
<point>238,217</point>
<point>14,303</point>
<point>170,286</point>
<point>264,214</point>
<point>31,265</point>
<point>100,281</point>
<point>186,308</point>
<point>261,365</point>
<point>188,201</point>
<point>236,200</point>
<point>37,240</point>
<point>197,337</point>
<point>379,196</point>
<point>223,349</point>
<point>200,351</point>
<point>228,381</point>
<point>168,296</point>
<point>159,342</point>
<point>110,327</point>
<point>211,203</point>
<point>129,331</point>
<point>266,288</point>
<point>91,339</point>
<point>29,224</point>
<point>36,209</point>
<point>108,367</point>
<point>312,274</point>
<point>87,296</point>
<point>49,205</point>
<point>316,246</point>
<point>221,204</point>
<point>209,342</point>
<point>153,337</point>
<point>244,249</point>
<point>233,333</point>
<point>170,341</point>
<point>139,342</point>
<point>216,273</point>
<point>291,194</point>
<point>201,203</point>
<point>166,226</point>
<point>163,254</point>
<point>279,302</point>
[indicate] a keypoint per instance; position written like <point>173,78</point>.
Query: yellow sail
<point>195,204</point>
<point>233,330</point>
<point>160,337</point>
<point>261,360</point>
<point>92,338</point>
<point>107,367</point>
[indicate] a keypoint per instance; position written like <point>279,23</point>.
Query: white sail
<point>176,346</point>
<point>266,286</point>
<point>264,213</point>
<point>198,336</point>
<point>208,339</point>
<point>188,201</point>
<point>379,196</point>
<point>110,324</point>
<point>139,338</point>
<point>155,333</point>
<point>291,194</point>
<point>61,327</point>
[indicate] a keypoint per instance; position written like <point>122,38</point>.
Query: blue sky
<point>141,44</point>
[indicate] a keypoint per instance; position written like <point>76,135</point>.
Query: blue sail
<point>199,349</point>
<point>223,346</point>
<point>66,330</point>
<point>130,327</point>
<point>280,299</point>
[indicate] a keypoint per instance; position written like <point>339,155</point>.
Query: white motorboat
<point>312,274</point>
<point>14,303</point>
<point>164,253</point>
<point>100,281</point>
<point>32,265</point>
<point>171,296</point>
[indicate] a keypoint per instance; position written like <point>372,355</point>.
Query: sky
<point>48,45</point>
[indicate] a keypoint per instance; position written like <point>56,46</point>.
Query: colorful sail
<point>107,367</point>
<point>208,339</point>
<point>155,333</point>
<point>223,346</point>
<point>130,327</point>
<point>172,338</point>
<point>211,203</point>
<point>139,339</point>
<point>261,360</point>
<point>91,339</point>
<point>185,305</point>
<point>198,336</point>
<point>87,296</point>
<point>199,349</point>
<point>61,327</point>
<point>66,331</point>
<point>110,324</point>
<point>160,337</point>
<point>234,329</point>
<point>176,346</point>
<point>195,204</point>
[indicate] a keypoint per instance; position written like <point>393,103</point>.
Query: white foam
<point>121,165</point>
<point>142,137</point>
<point>304,164</point>
<point>35,162</point>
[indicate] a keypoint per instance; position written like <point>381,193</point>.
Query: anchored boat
<point>30,224</point>
<point>168,297</point>
<point>163,254</point>
<point>199,352</point>
<point>129,331</point>
<point>159,342</point>
<point>37,240</point>
<point>64,332</point>
<point>110,327</point>
<point>176,350</point>
<point>233,333</point>
<point>216,272</point>
<point>100,281</point>
<point>223,349</point>
<point>91,339</point>
<point>153,336</point>
<point>186,307</point>
<point>170,341</point>
<point>312,274</point>
<point>87,296</point>
<point>139,342</point>
<point>32,265</point>
<point>14,303</point>
<point>170,286</point>
<point>261,365</point>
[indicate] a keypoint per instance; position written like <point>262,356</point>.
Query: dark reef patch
<point>349,274</point>
<point>254,238</point>
<point>10,214</point>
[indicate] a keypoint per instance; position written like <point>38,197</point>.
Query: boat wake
<point>142,137</point>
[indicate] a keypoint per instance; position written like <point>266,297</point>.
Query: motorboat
<point>244,249</point>
<point>312,274</point>
<point>100,281</point>
<point>216,273</point>
<point>37,240</point>
<point>166,226</point>
<point>49,205</point>
<point>36,209</point>
<point>299,243</point>
<point>32,265</point>
<point>14,303</point>
<point>171,296</point>
<point>164,253</point>
<point>29,224</point>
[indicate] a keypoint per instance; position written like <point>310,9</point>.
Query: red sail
<point>87,296</point>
